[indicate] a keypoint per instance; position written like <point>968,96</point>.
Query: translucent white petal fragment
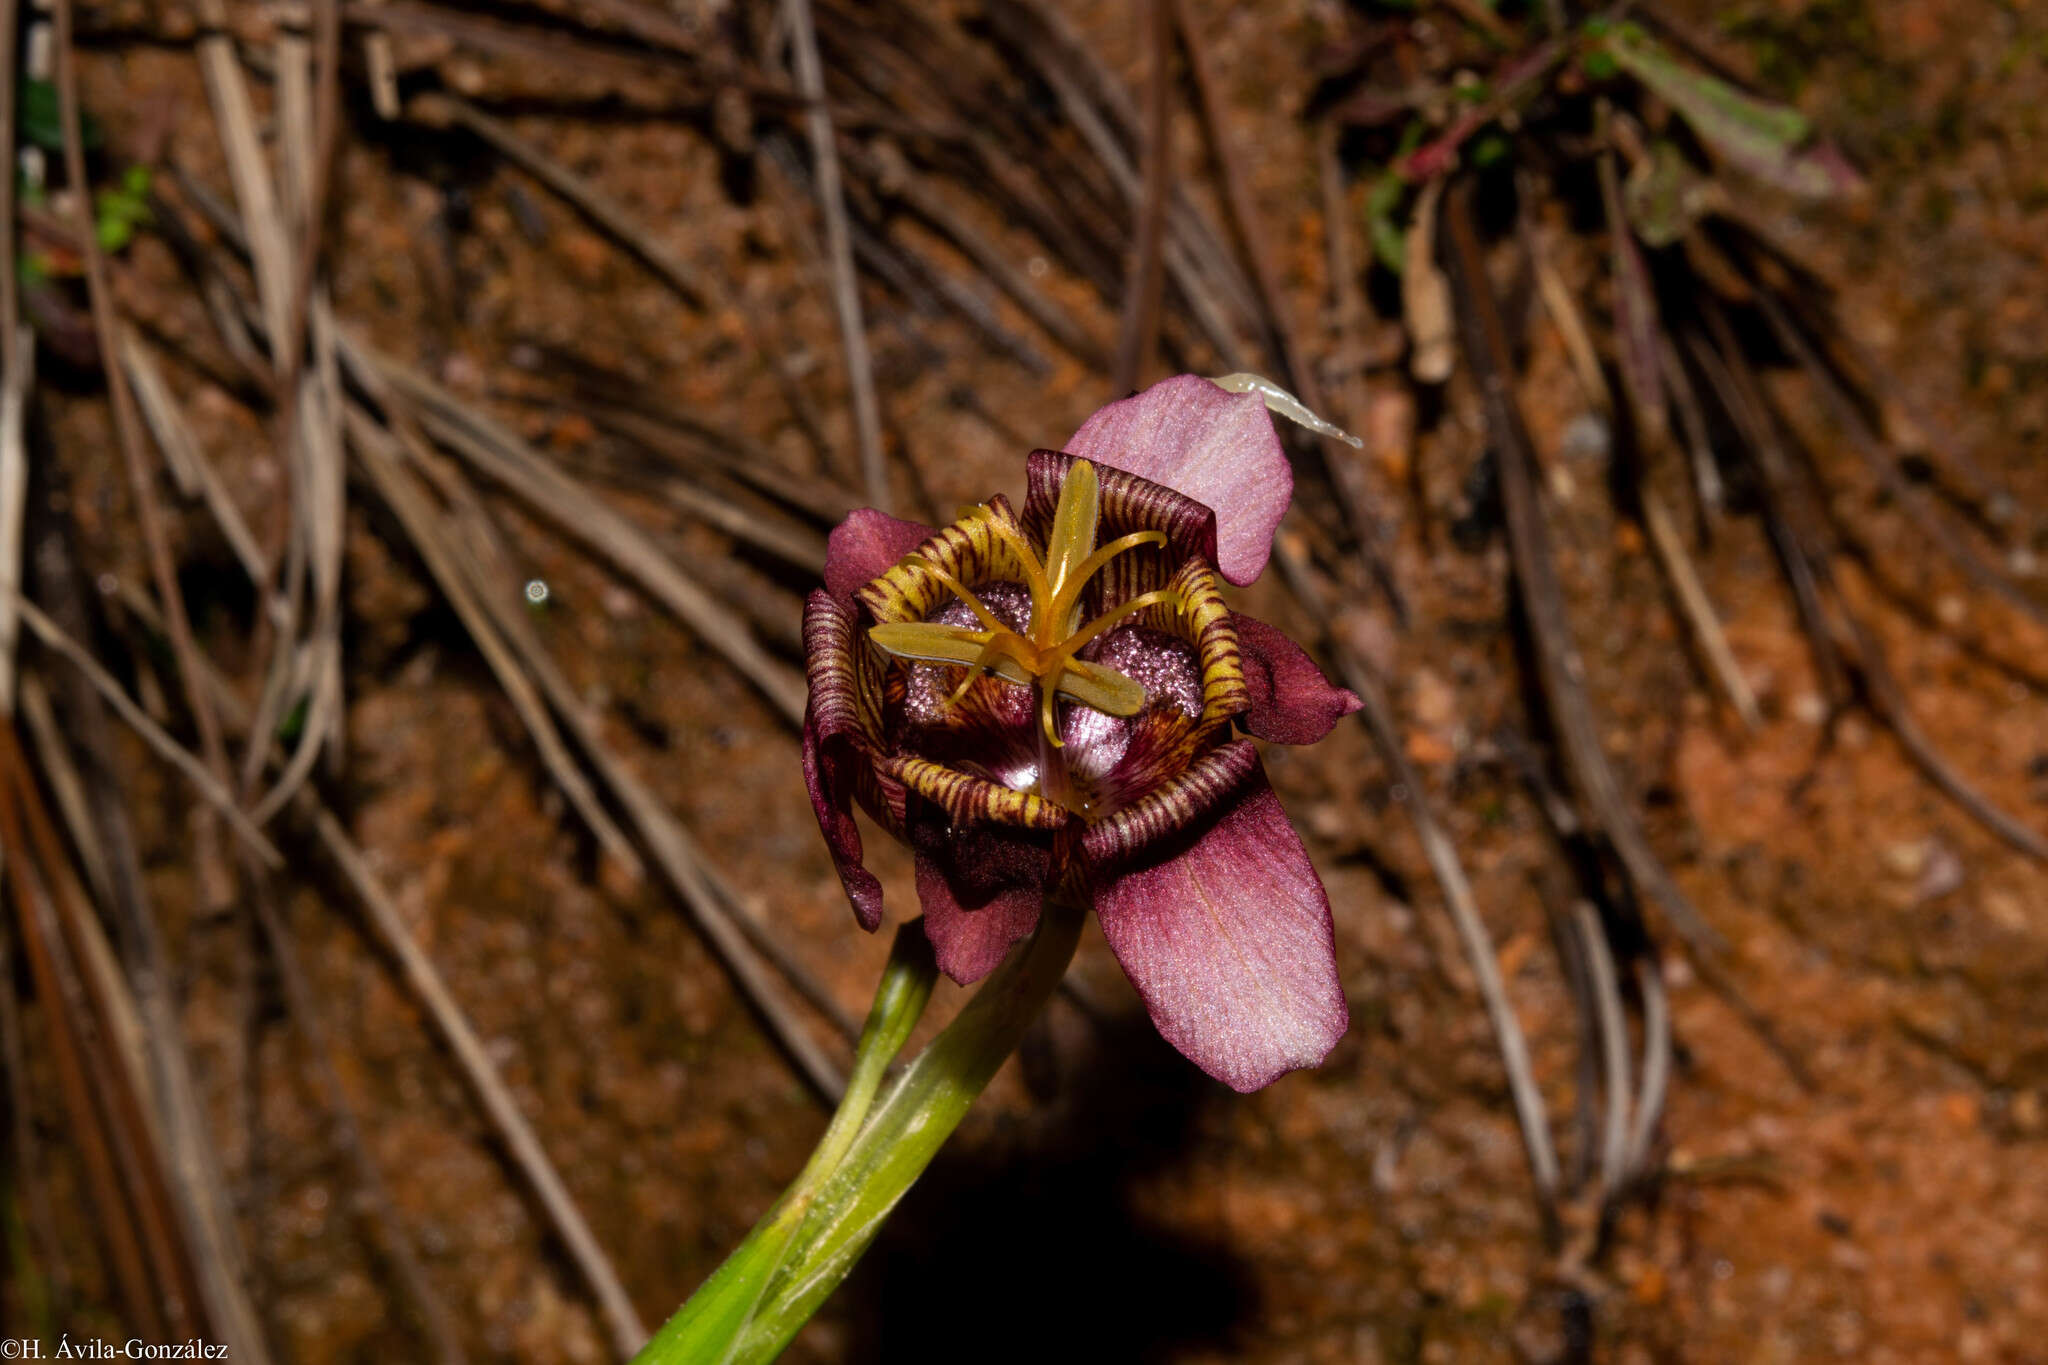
<point>1287,405</point>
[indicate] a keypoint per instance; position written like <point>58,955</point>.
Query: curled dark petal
<point>1291,701</point>
<point>1176,803</point>
<point>863,547</point>
<point>840,726</point>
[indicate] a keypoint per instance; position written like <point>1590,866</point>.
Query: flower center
<point>1043,657</point>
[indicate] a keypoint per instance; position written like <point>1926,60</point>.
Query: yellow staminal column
<point>1044,659</point>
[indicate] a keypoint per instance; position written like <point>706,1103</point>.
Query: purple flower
<point>1058,702</point>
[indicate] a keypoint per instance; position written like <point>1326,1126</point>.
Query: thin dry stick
<point>17,375</point>
<point>972,304</point>
<point>203,779</point>
<point>853,338</point>
<point>766,942</point>
<point>408,501</point>
<point>437,108</point>
<point>1348,303</point>
<point>448,1019</point>
<point>1207,309</point>
<point>166,422</point>
<point>425,982</point>
<point>1690,595</point>
<point>259,230</point>
<point>1692,420</point>
<point>1569,321</point>
<point>1558,663</point>
<point>695,444</point>
<point>800,549</point>
<point>1210,263</point>
<point>1917,503</point>
<point>1742,399</point>
<point>1244,212</point>
<point>15,386</point>
<point>1147,277</point>
<point>1656,1063</point>
<point>261,221</point>
<point>115,1222</point>
<point>1905,427</point>
<point>1888,699</point>
<point>713,904</point>
<point>508,461</point>
<point>17,369</point>
<point>204,1206</point>
<point>119,1047</point>
<point>12,357</point>
<point>1697,608</point>
<point>315,401</point>
<point>127,432</point>
<point>1613,1034</point>
<point>313,193</point>
<point>895,178</point>
<point>67,786</point>
<point>1442,856</point>
<point>499,626</point>
<point>26,1153</point>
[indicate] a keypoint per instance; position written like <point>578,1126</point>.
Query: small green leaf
<point>1762,139</point>
<point>1491,149</point>
<point>1383,221</point>
<point>1599,65</point>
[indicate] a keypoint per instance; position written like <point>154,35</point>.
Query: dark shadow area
<point>1059,1256</point>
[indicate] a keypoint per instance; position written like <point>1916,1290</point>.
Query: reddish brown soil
<point>1375,1209</point>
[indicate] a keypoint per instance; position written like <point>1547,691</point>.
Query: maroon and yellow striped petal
<point>1126,503</point>
<point>1172,804</point>
<point>972,551</point>
<point>972,800</point>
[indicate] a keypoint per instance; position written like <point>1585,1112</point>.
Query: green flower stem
<point>709,1326</point>
<point>762,1296</point>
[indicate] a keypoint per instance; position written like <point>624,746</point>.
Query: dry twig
<point>853,337</point>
